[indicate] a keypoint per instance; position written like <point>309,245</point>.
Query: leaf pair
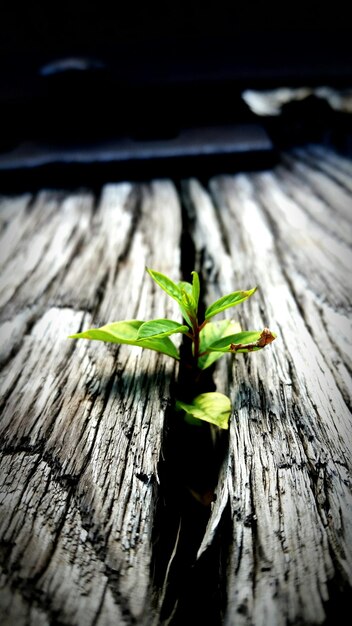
<point>187,296</point>
<point>131,332</point>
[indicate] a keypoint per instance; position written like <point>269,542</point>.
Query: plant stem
<point>196,343</point>
<point>195,338</point>
<point>202,325</point>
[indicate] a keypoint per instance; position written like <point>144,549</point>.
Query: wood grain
<point>288,475</point>
<point>82,423</point>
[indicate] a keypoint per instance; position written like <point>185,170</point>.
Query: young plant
<point>209,340</point>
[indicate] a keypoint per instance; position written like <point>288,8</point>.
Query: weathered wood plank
<point>336,167</point>
<point>82,423</point>
<point>288,475</point>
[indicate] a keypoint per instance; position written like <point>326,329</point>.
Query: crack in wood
<point>84,437</point>
<point>180,575</point>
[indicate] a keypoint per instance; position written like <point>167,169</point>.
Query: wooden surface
<point>82,424</point>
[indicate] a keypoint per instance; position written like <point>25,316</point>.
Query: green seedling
<point>209,340</point>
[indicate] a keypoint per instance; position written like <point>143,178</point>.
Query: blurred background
<point>128,89</point>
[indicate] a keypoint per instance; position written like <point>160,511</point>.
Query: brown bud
<point>266,337</point>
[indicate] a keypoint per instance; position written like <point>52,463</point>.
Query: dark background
<point>72,72</point>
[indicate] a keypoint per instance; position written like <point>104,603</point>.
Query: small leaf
<point>213,407</point>
<point>186,287</point>
<point>195,288</point>
<point>160,328</point>
<point>127,332</point>
<point>223,344</point>
<point>176,291</point>
<point>212,332</point>
<point>187,304</point>
<point>168,285</point>
<point>232,299</point>
<point>185,315</point>
<point>246,341</point>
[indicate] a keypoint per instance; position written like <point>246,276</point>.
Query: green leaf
<point>168,285</point>
<point>232,299</point>
<point>187,304</point>
<point>211,407</point>
<point>195,288</point>
<point>186,287</point>
<point>176,291</point>
<point>212,332</point>
<point>127,332</point>
<point>160,328</point>
<point>246,341</point>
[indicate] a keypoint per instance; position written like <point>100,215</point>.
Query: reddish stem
<point>202,325</point>
<point>196,344</point>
